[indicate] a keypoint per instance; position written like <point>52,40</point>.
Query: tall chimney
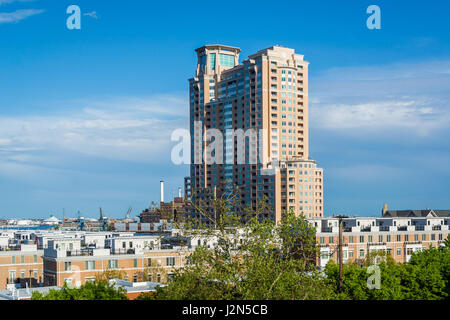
<point>162,190</point>
<point>179,192</point>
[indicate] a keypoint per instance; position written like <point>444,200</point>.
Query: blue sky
<point>86,115</point>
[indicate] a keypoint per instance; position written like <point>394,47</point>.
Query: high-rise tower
<point>260,107</point>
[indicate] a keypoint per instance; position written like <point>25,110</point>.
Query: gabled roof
<point>417,213</point>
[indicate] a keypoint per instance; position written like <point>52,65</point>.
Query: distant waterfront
<point>40,227</point>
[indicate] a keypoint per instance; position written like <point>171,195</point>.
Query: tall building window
<point>212,61</point>
<point>203,63</point>
<point>68,266</point>
<point>226,60</point>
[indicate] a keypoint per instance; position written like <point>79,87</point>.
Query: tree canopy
<point>98,290</point>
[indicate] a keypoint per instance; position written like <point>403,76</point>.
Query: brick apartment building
<point>65,261</point>
<point>399,236</point>
<point>22,265</point>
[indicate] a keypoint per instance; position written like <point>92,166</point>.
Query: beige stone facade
<point>267,93</point>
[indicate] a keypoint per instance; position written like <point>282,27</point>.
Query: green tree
<point>424,277</point>
<point>90,291</point>
<point>252,259</point>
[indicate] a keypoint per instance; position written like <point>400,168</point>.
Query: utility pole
<point>341,277</point>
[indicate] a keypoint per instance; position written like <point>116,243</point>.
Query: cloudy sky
<point>86,115</point>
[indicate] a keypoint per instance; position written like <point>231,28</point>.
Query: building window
<point>350,239</point>
<point>369,239</point>
<point>22,259</point>
<point>212,61</point>
<point>344,254</point>
<point>361,239</point>
<point>433,237</point>
<point>149,262</point>
<point>380,238</point>
<point>35,258</point>
<point>113,264</point>
<point>35,274</point>
<point>170,261</point>
<point>350,253</point>
<point>322,240</point>
<point>424,237</point>
<point>135,278</point>
<point>226,60</point>
<point>388,238</point>
<point>330,240</point>
<point>361,252</point>
<point>416,237</point>
<point>440,236</point>
<point>158,277</point>
<point>12,277</point>
<point>68,266</point>
<point>90,265</point>
<point>399,238</point>
<point>13,260</point>
<point>406,237</point>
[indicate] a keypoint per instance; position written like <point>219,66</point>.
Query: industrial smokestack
<point>162,190</point>
<point>179,192</point>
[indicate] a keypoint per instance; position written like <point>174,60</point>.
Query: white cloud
<point>18,15</point>
<point>409,97</point>
<point>120,129</point>
<point>368,173</point>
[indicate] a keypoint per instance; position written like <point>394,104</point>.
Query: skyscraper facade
<point>249,129</point>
